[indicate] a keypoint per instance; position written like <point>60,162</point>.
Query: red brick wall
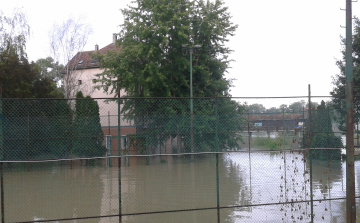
<point>114,141</point>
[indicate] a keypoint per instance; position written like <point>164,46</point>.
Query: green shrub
<point>270,143</point>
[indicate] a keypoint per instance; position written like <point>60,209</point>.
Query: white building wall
<point>108,109</point>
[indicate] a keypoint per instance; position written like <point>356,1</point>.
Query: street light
<point>191,49</point>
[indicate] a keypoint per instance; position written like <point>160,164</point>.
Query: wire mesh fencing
<point>172,160</point>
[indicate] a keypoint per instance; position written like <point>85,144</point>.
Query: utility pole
<point>350,173</point>
<point>191,49</point>
<point>1,125</point>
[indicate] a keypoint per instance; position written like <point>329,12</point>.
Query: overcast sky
<point>280,46</point>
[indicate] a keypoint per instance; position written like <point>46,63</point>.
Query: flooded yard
<point>255,187</point>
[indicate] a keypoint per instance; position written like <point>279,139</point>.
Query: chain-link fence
<point>173,160</point>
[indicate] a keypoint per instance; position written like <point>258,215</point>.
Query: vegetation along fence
<point>173,160</point>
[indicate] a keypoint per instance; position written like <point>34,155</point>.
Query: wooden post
<point>350,173</point>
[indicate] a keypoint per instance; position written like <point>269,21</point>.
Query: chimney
<point>96,47</point>
<point>114,38</point>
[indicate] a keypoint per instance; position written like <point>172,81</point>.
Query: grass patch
<point>270,143</point>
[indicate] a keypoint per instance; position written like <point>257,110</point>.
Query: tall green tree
<point>50,69</point>
<point>18,77</point>
<point>87,133</point>
<point>255,108</point>
<point>297,106</point>
<point>339,80</point>
<point>151,62</point>
<point>14,31</point>
<point>31,128</point>
<point>319,134</point>
<point>21,79</point>
<point>16,73</point>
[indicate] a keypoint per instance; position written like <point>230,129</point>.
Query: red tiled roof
<point>83,60</point>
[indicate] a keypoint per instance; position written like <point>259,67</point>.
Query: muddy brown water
<point>55,191</point>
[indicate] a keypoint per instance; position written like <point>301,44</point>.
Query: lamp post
<point>191,49</point>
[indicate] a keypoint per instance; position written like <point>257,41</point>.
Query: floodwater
<point>47,192</point>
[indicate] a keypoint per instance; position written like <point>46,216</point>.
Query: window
<point>81,61</point>
<point>94,60</point>
<point>124,142</point>
<point>108,142</point>
<point>79,82</point>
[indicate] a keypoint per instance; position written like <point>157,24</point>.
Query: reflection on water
<point>275,177</point>
<point>54,192</point>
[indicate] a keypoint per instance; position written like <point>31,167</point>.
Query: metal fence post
<point>249,133</point>
<point>2,193</point>
<point>146,139</point>
<point>1,125</point>
<point>217,159</point>
<point>28,141</point>
<point>283,145</point>
<point>71,139</point>
<point>310,157</point>
<point>119,157</point>
<point>1,159</point>
<point>109,122</point>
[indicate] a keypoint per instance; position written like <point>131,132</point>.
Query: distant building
<point>82,69</point>
<point>266,122</point>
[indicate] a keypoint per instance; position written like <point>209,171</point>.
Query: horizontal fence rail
<point>153,160</point>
